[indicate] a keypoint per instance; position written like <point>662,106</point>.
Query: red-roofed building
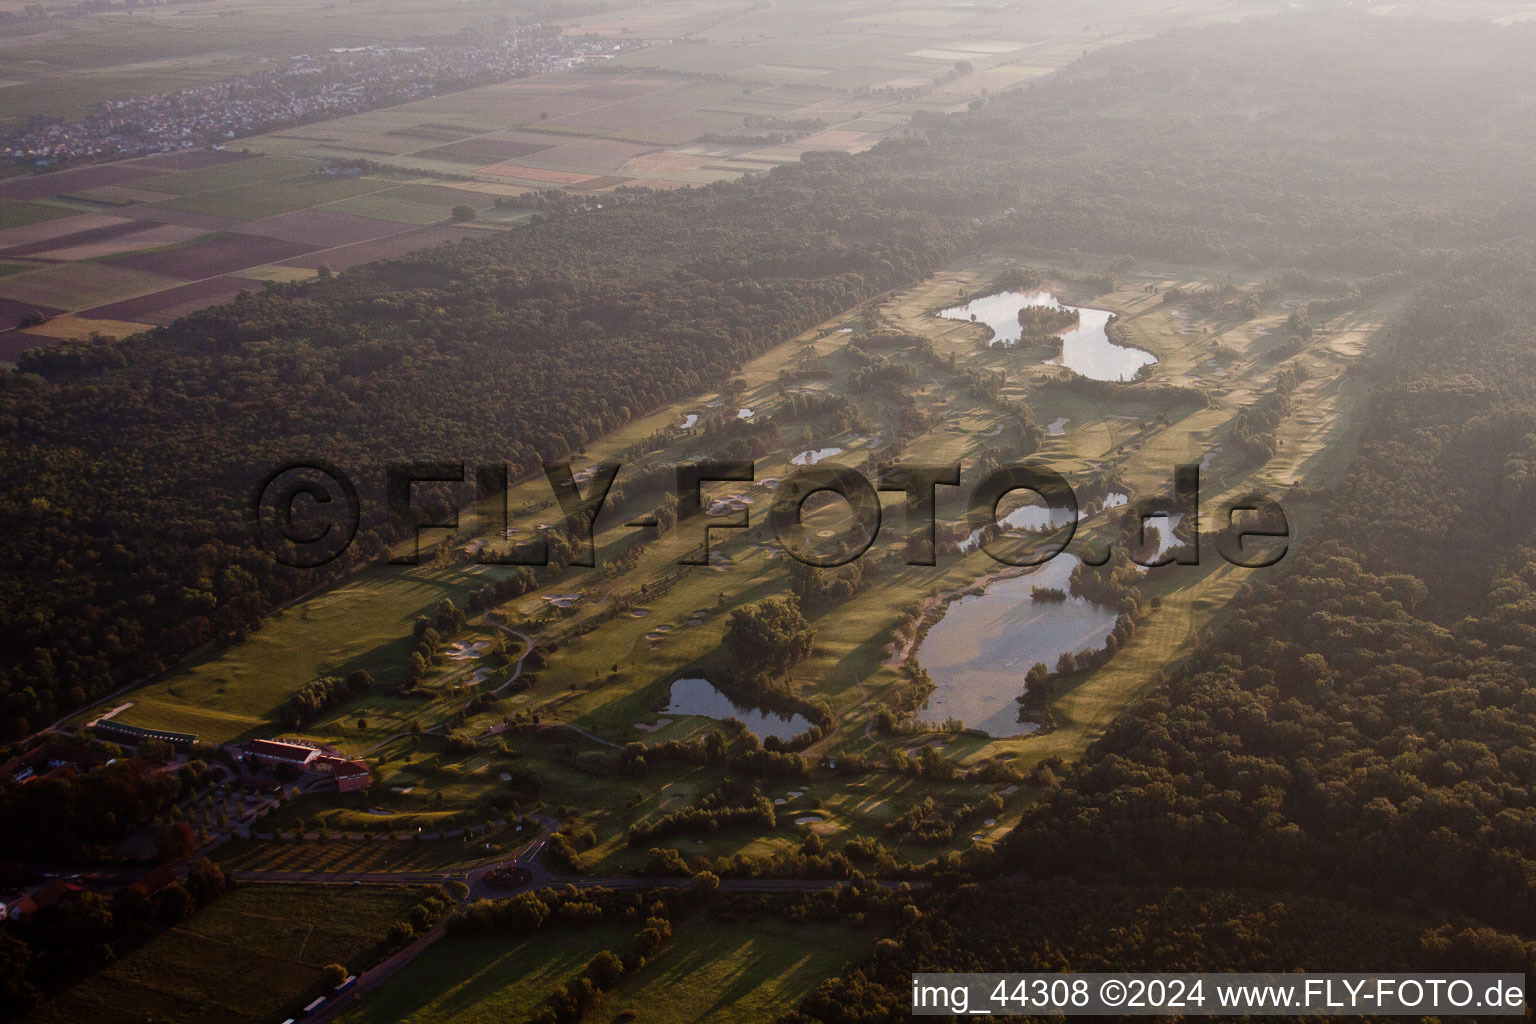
<point>47,896</point>
<point>351,776</point>
<point>278,753</point>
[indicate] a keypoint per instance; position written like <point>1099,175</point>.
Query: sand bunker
<point>459,651</point>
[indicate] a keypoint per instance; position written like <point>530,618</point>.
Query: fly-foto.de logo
<point>308,513</point>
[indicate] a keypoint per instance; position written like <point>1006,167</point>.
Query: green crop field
<point>858,79</point>
<point>411,203</point>
<point>270,198</point>
<point>15,213</point>
<point>232,175</point>
<point>257,948</point>
<point>252,189</point>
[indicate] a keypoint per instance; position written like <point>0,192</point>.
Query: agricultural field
<point>710,973</point>
<point>592,132</point>
<point>903,46</point>
<point>119,248</point>
<point>726,89</point>
<point>619,636</point>
<point>257,948</point>
<point>343,853</point>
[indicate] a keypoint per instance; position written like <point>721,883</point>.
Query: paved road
<point>376,975</point>
<point>517,667</point>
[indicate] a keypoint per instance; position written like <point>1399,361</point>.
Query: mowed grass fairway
<point>710,973</point>
<point>363,623</point>
<point>256,950</point>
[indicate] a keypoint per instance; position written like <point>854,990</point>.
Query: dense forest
<point>1061,926</point>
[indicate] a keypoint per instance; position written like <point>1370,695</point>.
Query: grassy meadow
<point>710,973</point>
<point>256,949</point>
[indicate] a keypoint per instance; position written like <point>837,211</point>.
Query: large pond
<point>978,653</point>
<point>699,697</point>
<point>1086,349</point>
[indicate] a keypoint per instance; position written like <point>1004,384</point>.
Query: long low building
<point>133,735</point>
<point>279,753</point>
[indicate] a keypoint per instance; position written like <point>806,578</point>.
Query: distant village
<point>305,88</point>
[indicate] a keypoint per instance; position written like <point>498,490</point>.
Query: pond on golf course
<point>978,653</point>
<point>699,697</point>
<point>1085,349</point>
